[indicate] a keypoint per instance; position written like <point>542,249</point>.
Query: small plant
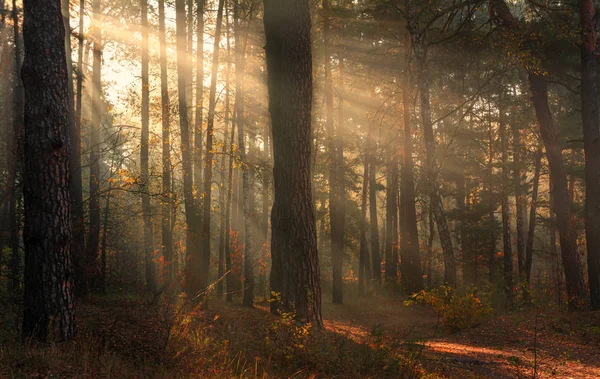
<point>457,312</point>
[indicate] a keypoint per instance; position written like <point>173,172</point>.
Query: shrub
<point>457,312</point>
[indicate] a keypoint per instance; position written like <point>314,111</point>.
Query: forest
<point>299,189</point>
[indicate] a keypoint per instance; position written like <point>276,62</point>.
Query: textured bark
<point>193,279</point>
<point>591,142</point>
<point>49,310</point>
<point>375,252</point>
<point>93,239</point>
<point>539,88</point>
<point>144,157</point>
<point>410,262</point>
<point>419,48</point>
<point>167,235</point>
<point>507,244</point>
<point>295,269</point>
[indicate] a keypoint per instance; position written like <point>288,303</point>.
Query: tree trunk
<point>194,283</point>
<point>532,220</point>
<point>391,215</point>
<point>363,261</point>
<point>295,270</point>
<point>49,309</point>
<point>591,141</point>
<point>167,235</point>
<point>198,138</point>
<point>419,48</point>
<point>375,252</point>
<point>539,88</point>
<point>520,201</point>
<point>94,182</point>
<point>228,264</point>
<point>507,244</point>
<point>410,263</point>
<point>144,158</point>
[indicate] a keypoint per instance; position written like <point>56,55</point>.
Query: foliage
<point>457,312</point>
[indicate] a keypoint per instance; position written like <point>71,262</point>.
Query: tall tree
<point>373,219</point>
<point>539,89</point>
<point>198,138</point>
<point>591,142</point>
<point>93,238</point>
<point>391,219</point>
<point>144,157</point>
<point>419,45</point>
<point>507,243</point>
<point>167,235</point>
<point>48,297</point>
<point>295,267</point>
<point>410,262</point>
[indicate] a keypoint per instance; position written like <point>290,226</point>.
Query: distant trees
<point>49,308</point>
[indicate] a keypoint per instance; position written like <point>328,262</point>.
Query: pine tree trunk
<point>49,309</point>
<point>198,137</point>
<point>144,158</point>
<point>410,262</point>
<point>364,261</point>
<point>591,141</point>
<point>167,235</point>
<point>391,215</point>
<point>532,220</point>
<point>373,219</point>
<point>295,270</point>
<point>520,201</point>
<point>193,280</point>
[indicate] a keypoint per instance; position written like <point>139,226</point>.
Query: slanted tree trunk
<point>507,243</point>
<point>144,157</point>
<point>420,50</point>
<point>591,142</point>
<point>48,298</point>
<point>167,197</point>
<point>94,182</point>
<point>410,262</point>
<point>295,270</point>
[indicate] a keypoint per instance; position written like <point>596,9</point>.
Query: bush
<point>457,312</point>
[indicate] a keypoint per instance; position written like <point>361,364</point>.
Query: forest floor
<point>123,337</point>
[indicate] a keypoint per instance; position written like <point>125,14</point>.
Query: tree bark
<point>520,201</point>
<point>410,262</point>
<point>507,244</point>
<point>144,157</point>
<point>391,216</point>
<point>373,219</point>
<point>49,309</point>
<point>591,142</point>
<point>364,274</point>
<point>198,138</point>
<point>167,235</point>
<point>532,219</point>
<point>295,270</point>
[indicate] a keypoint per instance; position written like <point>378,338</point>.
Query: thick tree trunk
<point>193,280</point>
<point>49,309</point>
<point>591,142</point>
<point>93,239</point>
<point>167,235</point>
<point>144,157</point>
<point>410,262</point>
<point>295,271</point>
